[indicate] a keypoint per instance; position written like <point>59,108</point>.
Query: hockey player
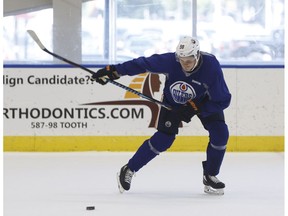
<point>194,86</point>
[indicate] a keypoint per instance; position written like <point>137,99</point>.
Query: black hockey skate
<point>124,178</point>
<point>212,185</point>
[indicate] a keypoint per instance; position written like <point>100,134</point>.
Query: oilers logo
<point>182,92</point>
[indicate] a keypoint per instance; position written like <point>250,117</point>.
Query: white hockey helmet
<point>188,46</point>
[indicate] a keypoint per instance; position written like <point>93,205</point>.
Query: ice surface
<point>64,184</point>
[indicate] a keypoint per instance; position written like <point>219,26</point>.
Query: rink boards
<point>57,108</point>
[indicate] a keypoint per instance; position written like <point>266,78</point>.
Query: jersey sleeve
<point>219,96</point>
<point>156,63</point>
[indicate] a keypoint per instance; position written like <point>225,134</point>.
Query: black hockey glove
<point>188,110</point>
<point>191,108</point>
<point>102,75</point>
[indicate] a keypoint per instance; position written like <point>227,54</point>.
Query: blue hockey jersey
<point>206,80</point>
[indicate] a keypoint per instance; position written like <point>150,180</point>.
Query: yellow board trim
<point>131,143</point>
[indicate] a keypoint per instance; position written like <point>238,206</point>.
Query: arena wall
<point>59,108</point>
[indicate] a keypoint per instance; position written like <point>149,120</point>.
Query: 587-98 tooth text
<point>51,125</point>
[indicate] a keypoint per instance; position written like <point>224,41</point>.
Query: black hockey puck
<point>90,208</point>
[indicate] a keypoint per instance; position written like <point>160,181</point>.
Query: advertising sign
<point>65,101</point>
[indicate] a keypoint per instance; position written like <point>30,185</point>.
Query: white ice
<point>64,184</point>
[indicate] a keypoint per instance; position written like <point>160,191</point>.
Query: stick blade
<point>36,39</point>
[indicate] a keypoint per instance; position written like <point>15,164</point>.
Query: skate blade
<point>213,191</point>
<point>121,189</point>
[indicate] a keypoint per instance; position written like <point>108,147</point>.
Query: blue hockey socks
<point>152,147</point>
<point>218,133</point>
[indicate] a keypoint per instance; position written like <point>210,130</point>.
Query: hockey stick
<point>37,40</point>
